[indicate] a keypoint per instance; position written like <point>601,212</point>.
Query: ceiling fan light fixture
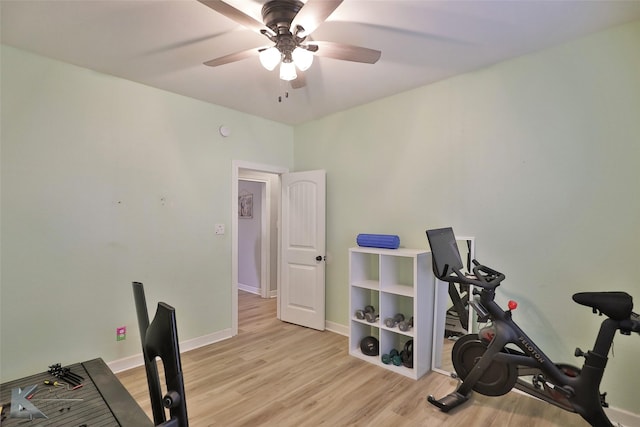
<point>302,58</point>
<point>270,58</point>
<point>288,71</point>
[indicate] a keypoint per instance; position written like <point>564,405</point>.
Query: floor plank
<point>278,374</point>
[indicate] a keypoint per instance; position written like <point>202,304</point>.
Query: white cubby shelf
<point>392,281</point>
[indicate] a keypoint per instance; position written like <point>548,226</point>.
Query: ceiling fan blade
<point>347,52</point>
<point>233,57</point>
<point>234,14</point>
<point>300,81</point>
<point>314,13</point>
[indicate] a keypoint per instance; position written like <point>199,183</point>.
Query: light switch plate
<point>219,228</point>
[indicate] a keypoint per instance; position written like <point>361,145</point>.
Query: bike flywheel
<point>498,379</point>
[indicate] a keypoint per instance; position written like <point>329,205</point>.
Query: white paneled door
<point>302,269</point>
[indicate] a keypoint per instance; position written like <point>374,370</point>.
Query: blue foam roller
<point>387,241</point>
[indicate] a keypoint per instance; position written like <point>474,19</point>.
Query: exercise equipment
<point>457,320</point>
<point>386,241</point>
<point>405,325</point>
<point>368,313</point>
<point>370,346</point>
<point>362,314</point>
<point>392,322</point>
<point>407,354</point>
<point>399,321</point>
<point>400,358</point>
<point>485,363</point>
<point>393,357</point>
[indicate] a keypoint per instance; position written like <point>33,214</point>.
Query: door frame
<point>236,165</point>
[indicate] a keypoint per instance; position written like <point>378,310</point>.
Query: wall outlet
<point>121,333</point>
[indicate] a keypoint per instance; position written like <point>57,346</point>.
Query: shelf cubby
<point>392,281</point>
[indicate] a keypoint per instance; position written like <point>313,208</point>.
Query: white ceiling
<point>163,43</point>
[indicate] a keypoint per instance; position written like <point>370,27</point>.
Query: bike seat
<point>616,305</point>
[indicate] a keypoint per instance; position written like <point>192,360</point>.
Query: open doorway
<point>258,200</point>
<point>258,186</point>
<point>253,238</point>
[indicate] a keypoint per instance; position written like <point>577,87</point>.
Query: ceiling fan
<point>288,25</point>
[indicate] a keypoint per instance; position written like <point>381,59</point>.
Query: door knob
<point>319,258</point>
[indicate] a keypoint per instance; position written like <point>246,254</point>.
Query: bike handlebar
<point>483,277</point>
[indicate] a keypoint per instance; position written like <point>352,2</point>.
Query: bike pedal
<point>448,402</point>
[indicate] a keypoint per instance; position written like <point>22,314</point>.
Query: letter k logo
<point>21,407</point>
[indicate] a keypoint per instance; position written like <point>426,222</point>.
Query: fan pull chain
<point>286,95</point>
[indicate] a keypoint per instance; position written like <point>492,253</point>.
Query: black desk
<point>105,401</point>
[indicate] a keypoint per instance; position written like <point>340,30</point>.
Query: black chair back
<point>160,339</point>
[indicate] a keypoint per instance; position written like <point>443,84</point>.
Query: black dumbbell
<point>405,325</point>
<point>392,322</point>
<point>393,357</point>
<point>368,314</point>
<point>371,317</point>
<point>360,314</point>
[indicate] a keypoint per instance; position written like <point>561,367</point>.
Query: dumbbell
<point>368,314</point>
<point>405,325</point>
<point>393,357</point>
<point>392,322</point>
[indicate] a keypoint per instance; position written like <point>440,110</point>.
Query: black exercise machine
<point>500,355</point>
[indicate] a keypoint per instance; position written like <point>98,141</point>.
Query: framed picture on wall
<point>245,206</point>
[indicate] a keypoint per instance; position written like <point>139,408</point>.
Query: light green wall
<point>537,157</point>
<point>105,182</point>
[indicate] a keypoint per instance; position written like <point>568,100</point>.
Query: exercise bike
<point>501,356</point>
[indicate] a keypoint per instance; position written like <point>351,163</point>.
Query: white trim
<point>622,418</point>
<point>250,289</point>
<point>236,165</point>
<point>336,328</point>
<point>126,363</point>
<point>265,262</point>
<point>137,360</point>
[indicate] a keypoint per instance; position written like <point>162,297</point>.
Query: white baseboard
<point>250,289</point>
<point>126,363</point>
<point>256,291</point>
<point>622,418</point>
<point>337,328</point>
<point>137,360</point>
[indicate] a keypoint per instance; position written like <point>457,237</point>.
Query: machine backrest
<point>444,252</point>
<point>160,339</point>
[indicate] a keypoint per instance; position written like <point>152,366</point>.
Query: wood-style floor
<point>278,374</point>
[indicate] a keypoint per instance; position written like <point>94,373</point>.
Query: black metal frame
<point>579,392</point>
<point>160,339</point>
